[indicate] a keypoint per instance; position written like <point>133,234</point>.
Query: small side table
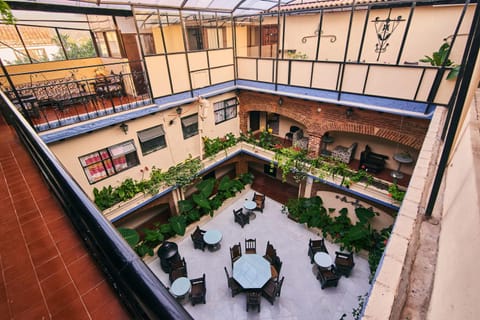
<point>326,140</point>
<point>180,288</point>
<point>249,205</point>
<point>212,238</point>
<point>401,158</point>
<point>323,260</point>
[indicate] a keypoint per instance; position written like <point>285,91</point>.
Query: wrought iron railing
<point>49,101</point>
<point>137,287</point>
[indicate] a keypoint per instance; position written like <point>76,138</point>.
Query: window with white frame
<point>152,139</point>
<point>225,110</point>
<point>107,162</point>
<point>190,126</point>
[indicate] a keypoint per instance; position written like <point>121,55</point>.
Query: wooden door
<point>254,120</point>
<point>136,67</point>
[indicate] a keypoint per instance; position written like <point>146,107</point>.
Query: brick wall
<point>404,130</point>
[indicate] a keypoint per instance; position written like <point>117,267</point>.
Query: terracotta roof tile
<point>31,35</point>
<point>301,5</point>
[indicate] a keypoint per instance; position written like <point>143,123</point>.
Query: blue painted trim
<point>309,92</point>
<point>255,85</point>
<point>153,198</point>
<point>186,97</point>
<point>174,98</point>
<point>82,128</point>
<point>215,89</point>
<point>389,105</point>
<point>395,106</point>
<point>258,156</point>
<point>420,107</point>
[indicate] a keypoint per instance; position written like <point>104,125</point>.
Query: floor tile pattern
<point>301,297</point>
<point>46,273</point>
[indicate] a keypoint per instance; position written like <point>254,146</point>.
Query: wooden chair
<point>344,263</point>
<point>327,277</point>
<point>289,134</point>
<point>277,265</point>
<point>198,291</point>
<point>251,246</point>
<point>315,246</point>
<point>240,218</point>
<point>271,290</point>
<point>197,238</point>
<point>253,300</point>
<point>178,263</point>
<point>270,252</point>
<point>235,253</point>
<point>177,273</point>
<point>259,199</point>
<point>234,286</point>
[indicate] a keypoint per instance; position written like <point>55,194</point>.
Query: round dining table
<point>323,260</point>
<point>212,238</point>
<point>180,288</point>
<point>250,205</point>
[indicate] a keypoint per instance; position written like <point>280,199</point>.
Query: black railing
<point>48,101</point>
<point>137,287</point>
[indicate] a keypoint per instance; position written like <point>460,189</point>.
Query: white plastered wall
<point>456,284</point>
<point>177,150</point>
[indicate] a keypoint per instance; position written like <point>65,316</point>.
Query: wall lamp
<point>124,127</point>
<point>349,113</point>
<point>280,101</point>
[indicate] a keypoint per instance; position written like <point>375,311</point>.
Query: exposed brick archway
<point>319,118</point>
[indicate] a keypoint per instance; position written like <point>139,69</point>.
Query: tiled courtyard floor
<point>301,296</point>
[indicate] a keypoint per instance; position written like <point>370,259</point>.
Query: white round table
<point>212,238</point>
<point>323,260</point>
<point>249,205</point>
<point>180,287</point>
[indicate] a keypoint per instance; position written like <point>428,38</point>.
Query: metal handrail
<point>138,288</point>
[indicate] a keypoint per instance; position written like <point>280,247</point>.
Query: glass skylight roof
<point>235,7</point>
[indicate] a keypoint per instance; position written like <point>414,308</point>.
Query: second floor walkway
<point>47,272</point>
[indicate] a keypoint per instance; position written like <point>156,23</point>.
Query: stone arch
<point>332,118</point>
<point>405,139</point>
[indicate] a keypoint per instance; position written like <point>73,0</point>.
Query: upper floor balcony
<point>367,56</point>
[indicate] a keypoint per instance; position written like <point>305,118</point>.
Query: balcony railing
<point>138,288</point>
<point>54,101</point>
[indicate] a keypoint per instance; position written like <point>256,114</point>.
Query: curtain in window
<point>212,38</point>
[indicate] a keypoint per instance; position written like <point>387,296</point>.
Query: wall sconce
<point>280,101</point>
<point>178,110</point>
<point>349,113</point>
<point>124,127</point>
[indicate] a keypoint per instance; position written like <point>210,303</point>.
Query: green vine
<point>357,312</point>
<point>395,192</point>
<point>351,237</point>
<point>291,160</point>
<point>180,176</point>
<point>213,146</point>
<point>6,13</point>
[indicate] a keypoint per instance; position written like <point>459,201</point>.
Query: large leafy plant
<point>291,160</point>
<point>351,237</point>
